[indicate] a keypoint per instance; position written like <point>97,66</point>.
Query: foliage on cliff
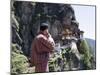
<point>18,60</point>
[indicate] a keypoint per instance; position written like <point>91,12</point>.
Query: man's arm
<point>47,43</point>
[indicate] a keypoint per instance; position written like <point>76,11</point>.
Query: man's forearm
<point>48,42</point>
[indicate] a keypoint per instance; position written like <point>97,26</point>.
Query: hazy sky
<point>85,15</point>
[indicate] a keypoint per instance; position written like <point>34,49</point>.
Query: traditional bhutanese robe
<point>41,48</point>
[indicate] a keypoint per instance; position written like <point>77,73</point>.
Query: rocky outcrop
<point>26,18</point>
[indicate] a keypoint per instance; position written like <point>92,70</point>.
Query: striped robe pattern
<point>41,48</point>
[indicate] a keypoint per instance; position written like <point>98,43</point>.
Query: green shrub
<point>18,61</point>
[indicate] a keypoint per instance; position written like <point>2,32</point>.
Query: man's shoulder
<point>40,36</point>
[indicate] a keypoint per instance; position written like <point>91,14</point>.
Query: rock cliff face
<point>27,16</point>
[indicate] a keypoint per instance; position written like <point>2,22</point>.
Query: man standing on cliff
<point>42,46</point>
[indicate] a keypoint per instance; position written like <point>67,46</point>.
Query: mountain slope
<point>92,44</point>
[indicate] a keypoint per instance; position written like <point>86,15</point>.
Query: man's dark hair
<point>43,26</point>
